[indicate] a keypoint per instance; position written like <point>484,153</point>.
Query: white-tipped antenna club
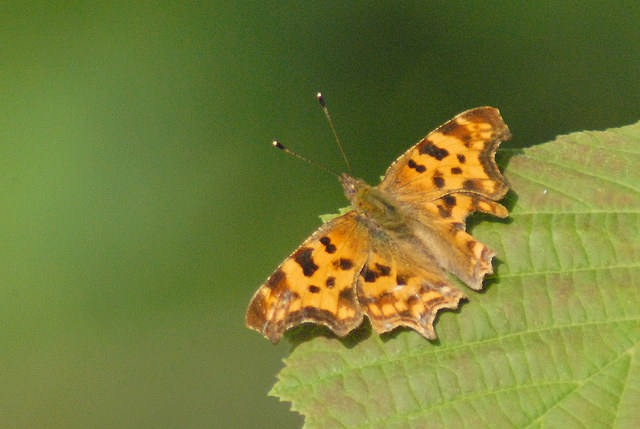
<point>333,129</point>
<point>280,146</point>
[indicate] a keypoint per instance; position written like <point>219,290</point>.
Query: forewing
<point>456,157</point>
<point>316,283</point>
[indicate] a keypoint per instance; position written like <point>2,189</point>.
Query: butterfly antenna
<point>290,152</point>
<point>326,113</point>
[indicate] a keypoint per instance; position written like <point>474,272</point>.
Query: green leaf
<point>552,341</point>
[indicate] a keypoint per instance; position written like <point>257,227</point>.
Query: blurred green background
<point>142,203</point>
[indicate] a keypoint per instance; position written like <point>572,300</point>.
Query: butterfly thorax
<point>375,204</point>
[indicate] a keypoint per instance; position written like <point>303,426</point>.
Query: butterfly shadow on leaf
<point>403,330</point>
<point>309,331</point>
<point>493,279</point>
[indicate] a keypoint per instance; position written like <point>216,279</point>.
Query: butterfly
<point>389,258</point>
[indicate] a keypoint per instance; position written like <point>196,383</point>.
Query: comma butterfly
<point>389,256</point>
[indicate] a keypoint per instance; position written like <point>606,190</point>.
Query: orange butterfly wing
<point>316,283</point>
<point>395,290</point>
<point>448,175</point>
<point>456,157</point>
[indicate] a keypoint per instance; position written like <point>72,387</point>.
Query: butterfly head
<point>351,186</point>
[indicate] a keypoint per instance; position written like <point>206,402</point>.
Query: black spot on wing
<point>456,170</point>
<point>469,185</point>
<point>328,246</point>
<point>461,158</point>
<point>384,270</point>
<point>432,150</point>
<point>418,167</point>
<point>314,289</point>
<point>344,264</point>
<point>370,274</point>
<point>330,282</point>
<point>449,200</point>
<point>438,181</point>
<point>303,257</point>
